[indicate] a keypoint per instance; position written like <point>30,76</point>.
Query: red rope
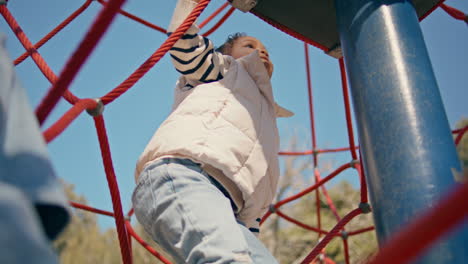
<point>37,58</point>
<point>306,191</point>
<point>215,13</point>
<point>346,250</point>
<point>317,201</point>
<point>305,226</point>
<point>360,231</point>
<point>315,186</point>
<point>91,209</point>
<point>456,131</point>
<point>362,179</point>
<point>455,13</point>
<point>311,103</point>
<point>129,238</point>
<point>58,127</point>
<point>137,19</point>
<point>310,152</point>
<point>335,150</point>
<point>114,189</point>
<point>157,55</point>
<point>331,235</point>
<point>145,245</point>
<point>54,31</point>
<point>130,212</point>
<point>265,217</point>
<point>220,22</point>
<point>349,123</point>
<point>461,132</point>
<point>330,202</point>
<point>87,45</point>
<point>418,235</point>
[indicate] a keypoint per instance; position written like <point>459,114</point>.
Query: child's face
<point>245,45</point>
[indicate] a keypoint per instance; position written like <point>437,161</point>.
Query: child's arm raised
<point>193,55</point>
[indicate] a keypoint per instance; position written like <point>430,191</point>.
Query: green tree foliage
<point>84,242</point>
<point>462,147</point>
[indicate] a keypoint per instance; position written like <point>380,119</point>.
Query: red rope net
<point>408,243</point>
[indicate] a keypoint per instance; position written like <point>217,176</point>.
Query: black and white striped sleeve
<point>194,55</point>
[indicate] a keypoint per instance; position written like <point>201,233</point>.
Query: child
<point>210,171</point>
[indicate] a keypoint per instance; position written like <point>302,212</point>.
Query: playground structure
<point>406,240</point>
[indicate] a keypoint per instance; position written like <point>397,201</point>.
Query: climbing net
<point>414,238</point>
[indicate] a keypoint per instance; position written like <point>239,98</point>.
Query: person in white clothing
<point>210,171</point>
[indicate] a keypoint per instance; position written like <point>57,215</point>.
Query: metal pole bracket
<point>244,5</point>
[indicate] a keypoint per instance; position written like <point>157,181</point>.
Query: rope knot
<point>98,110</point>
<point>272,208</point>
<point>365,208</point>
<point>353,163</point>
<point>344,235</point>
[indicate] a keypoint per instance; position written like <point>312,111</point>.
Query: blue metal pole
<point>408,151</point>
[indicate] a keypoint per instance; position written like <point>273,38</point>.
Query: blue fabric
<point>33,207</point>
<point>22,237</point>
<point>183,210</point>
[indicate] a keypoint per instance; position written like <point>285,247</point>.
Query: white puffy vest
<point>229,125</point>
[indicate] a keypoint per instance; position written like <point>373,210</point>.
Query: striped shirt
<point>194,57</point>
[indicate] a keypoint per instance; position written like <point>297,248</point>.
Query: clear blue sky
<point>132,119</point>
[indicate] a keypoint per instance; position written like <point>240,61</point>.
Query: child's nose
<point>263,51</point>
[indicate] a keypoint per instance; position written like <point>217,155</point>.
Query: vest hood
<point>254,66</point>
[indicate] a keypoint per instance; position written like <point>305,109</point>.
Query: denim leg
<point>259,253</point>
<point>187,215</point>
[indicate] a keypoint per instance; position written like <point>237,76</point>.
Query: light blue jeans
<point>186,213</point>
